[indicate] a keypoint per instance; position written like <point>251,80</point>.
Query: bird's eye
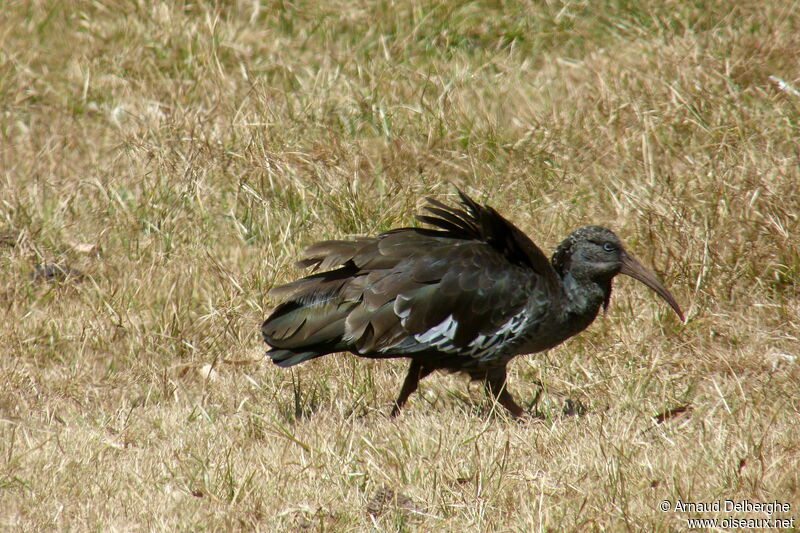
<point>609,247</point>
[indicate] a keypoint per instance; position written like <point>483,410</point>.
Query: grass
<point>180,155</point>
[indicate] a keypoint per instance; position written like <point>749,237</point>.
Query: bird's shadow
<point>542,407</point>
<point>305,401</point>
<point>308,397</point>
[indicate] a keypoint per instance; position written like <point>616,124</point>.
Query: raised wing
<point>482,223</point>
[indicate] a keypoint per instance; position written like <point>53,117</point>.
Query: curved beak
<point>634,269</point>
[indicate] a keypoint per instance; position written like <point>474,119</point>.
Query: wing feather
<point>457,288</point>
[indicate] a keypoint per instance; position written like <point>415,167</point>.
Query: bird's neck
<point>584,296</point>
<point>578,308</point>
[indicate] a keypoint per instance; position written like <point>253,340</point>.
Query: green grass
<point>198,147</point>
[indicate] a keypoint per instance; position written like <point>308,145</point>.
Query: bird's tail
<point>286,358</point>
<point>305,328</point>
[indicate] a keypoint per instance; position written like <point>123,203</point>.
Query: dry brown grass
<point>198,147</point>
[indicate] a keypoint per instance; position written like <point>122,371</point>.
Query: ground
<point>162,165</point>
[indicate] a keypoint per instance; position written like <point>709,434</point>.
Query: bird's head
<point>594,253</point>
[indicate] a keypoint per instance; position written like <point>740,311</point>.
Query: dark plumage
<point>467,296</point>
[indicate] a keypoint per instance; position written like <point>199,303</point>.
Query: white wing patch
<point>513,324</point>
<point>509,330</point>
<point>441,336</point>
<point>442,333</point>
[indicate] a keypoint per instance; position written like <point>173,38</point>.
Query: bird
<point>466,294</point>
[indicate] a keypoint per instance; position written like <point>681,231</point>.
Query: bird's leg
<point>415,373</point>
<point>496,385</point>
